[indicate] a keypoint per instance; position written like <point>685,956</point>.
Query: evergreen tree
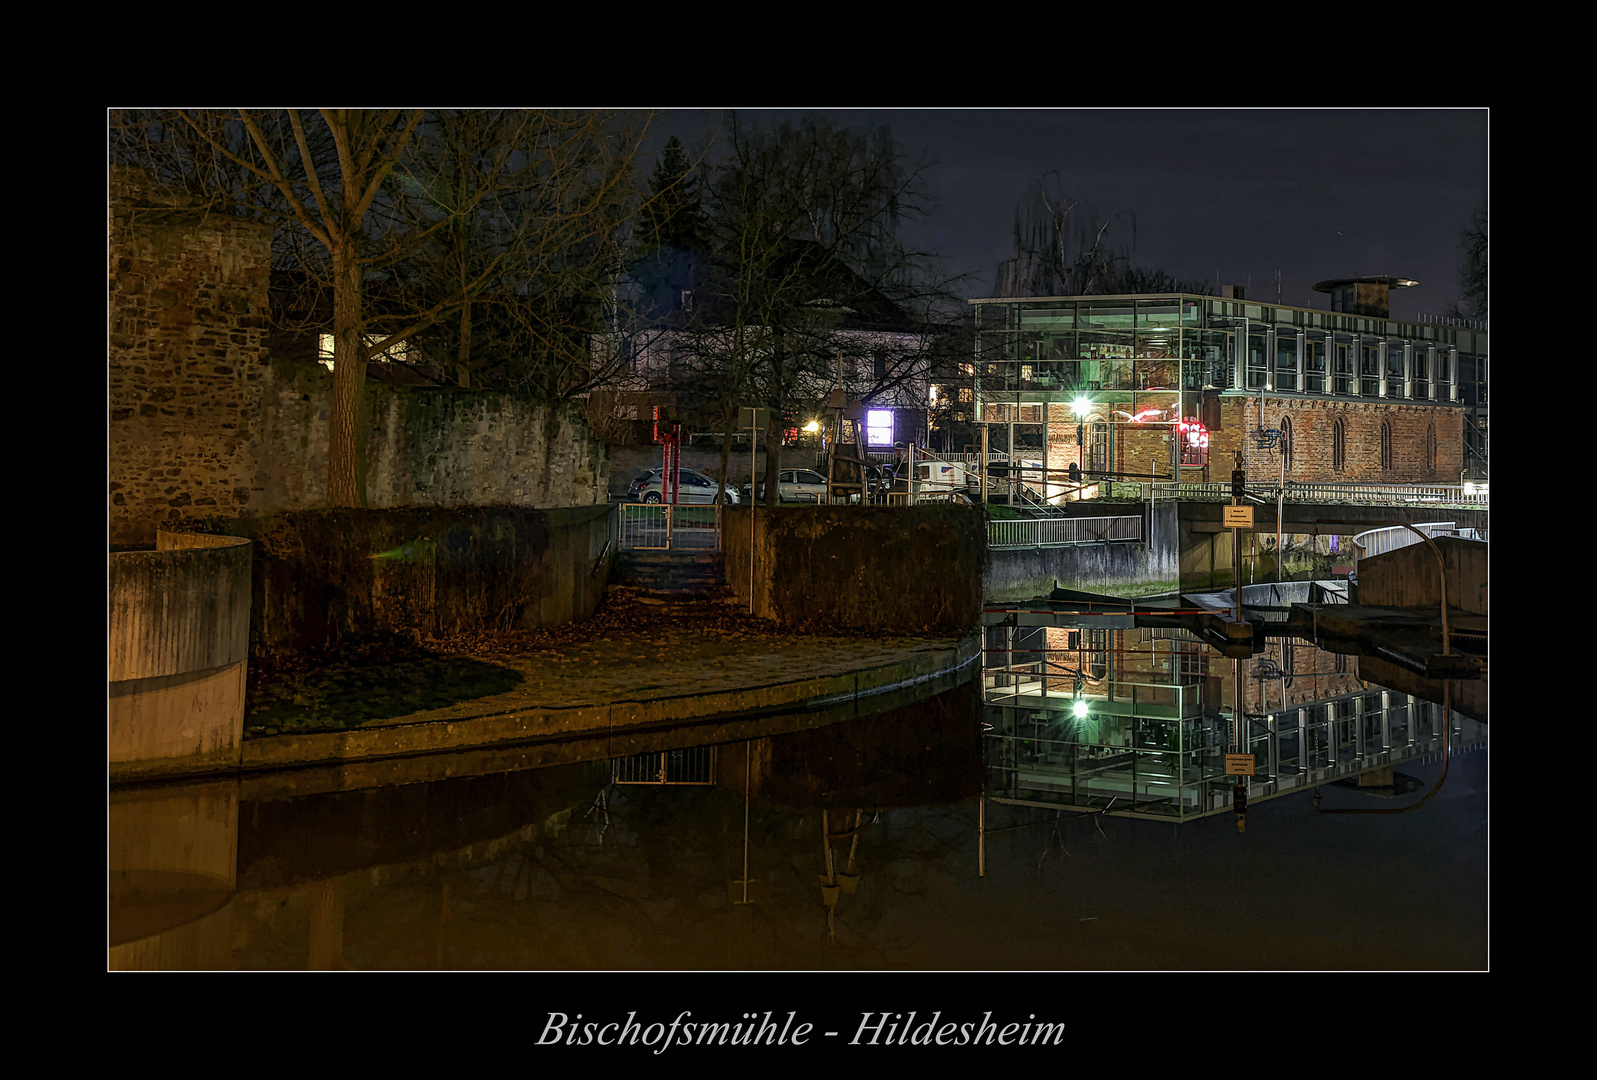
<point>672,218</point>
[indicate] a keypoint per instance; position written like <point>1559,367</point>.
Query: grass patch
<point>350,692</point>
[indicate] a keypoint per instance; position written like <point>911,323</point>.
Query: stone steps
<point>673,575</point>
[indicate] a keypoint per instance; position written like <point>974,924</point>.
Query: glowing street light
<point>813,426</point>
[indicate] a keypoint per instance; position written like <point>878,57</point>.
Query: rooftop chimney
<point>1369,296</point>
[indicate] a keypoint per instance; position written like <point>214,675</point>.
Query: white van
<point>945,476</point>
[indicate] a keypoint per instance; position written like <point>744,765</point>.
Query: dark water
<point>563,868</point>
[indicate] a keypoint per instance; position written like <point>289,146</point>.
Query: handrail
<point>1063,531</point>
<point>1393,537</point>
<point>1440,494</point>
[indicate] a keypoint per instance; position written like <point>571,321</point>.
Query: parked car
<point>695,488</point>
<point>797,485</point>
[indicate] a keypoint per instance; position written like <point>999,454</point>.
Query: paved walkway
<point>634,665</point>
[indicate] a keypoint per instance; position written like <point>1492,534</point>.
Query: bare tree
<point>407,218</point>
<point>804,225</point>
<point>1472,276</point>
<point>1061,250</point>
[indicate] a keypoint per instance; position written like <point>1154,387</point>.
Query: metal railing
<point>1174,767</point>
<point>1394,494</point>
<point>695,765</point>
<point>1061,531</point>
<point>1379,541</point>
<point>664,527</point>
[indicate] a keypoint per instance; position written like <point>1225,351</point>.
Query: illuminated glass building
<point>1113,384</point>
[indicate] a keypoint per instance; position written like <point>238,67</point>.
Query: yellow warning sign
<point>1238,517</point>
<point>1239,764</point>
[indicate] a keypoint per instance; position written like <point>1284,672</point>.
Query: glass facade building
<point>1165,352</point>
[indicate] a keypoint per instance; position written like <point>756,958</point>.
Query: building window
<point>879,358</point>
<point>879,427</point>
<point>1286,441</point>
<point>1097,646</point>
<point>1430,447</point>
<point>324,351</point>
<point>1338,445</point>
<point>1194,442</point>
<point>1098,448</point>
<point>1386,444</point>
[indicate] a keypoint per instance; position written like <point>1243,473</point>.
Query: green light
<point>1079,708</point>
<point>1082,406</point>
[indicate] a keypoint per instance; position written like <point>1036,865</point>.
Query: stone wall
<point>187,359</point>
<point>204,422</point>
<point>427,446</point>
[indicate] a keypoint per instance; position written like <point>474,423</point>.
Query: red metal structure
<point>671,465</point>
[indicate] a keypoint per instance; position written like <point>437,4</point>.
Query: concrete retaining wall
<point>1407,577</point>
<point>1126,569</point>
<point>326,578</point>
<point>897,569</point>
<point>1309,529</point>
<point>177,644</point>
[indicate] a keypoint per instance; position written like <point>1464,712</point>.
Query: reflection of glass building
<point>1359,396</point>
<point>1139,722</point>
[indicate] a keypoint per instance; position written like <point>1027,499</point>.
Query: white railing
<point>664,527</point>
<point>1398,494</point>
<point>1060,531</point>
<point>1380,541</point>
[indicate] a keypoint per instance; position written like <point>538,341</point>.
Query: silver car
<point>695,488</point>
<point>797,485</point>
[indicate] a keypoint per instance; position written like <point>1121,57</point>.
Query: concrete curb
<point>544,723</point>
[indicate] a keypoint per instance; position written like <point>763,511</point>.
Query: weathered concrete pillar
<point>177,642</point>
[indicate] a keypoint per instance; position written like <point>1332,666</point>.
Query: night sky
<point>1314,194</point>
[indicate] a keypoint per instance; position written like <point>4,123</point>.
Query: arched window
<point>1098,448</point>
<point>1338,444</point>
<point>1386,444</point>
<point>1430,447</point>
<point>1286,441</point>
<point>1097,655</point>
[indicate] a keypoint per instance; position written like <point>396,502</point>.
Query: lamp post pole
<point>1280,499</point>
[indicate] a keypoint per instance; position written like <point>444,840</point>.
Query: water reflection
<point>803,844</point>
<point>1091,713</point>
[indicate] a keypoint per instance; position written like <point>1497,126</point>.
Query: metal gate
<point>692,766</point>
<point>667,527</point>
